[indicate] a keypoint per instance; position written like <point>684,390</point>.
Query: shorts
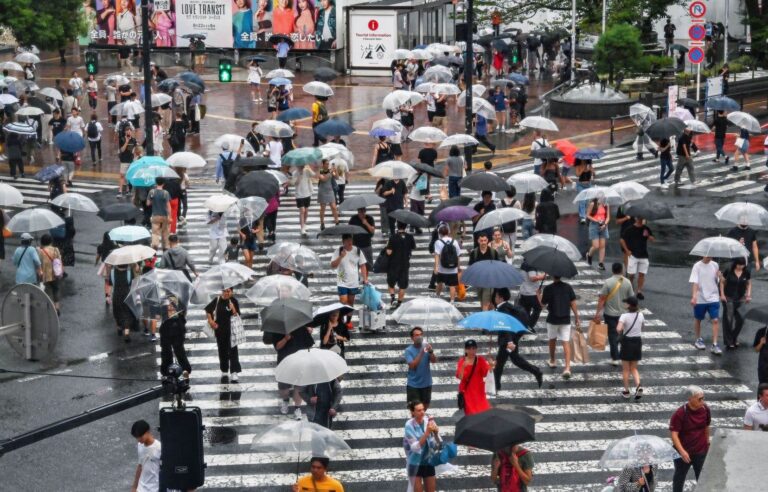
<point>347,291</point>
<point>430,116</point>
<point>397,151</point>
<point>77,92</point>
<point>484,295</point>
<point>424,395</point>
<point>421,471</point>
<point>124,167</point>
<point>200,59</point>
<point>438,120</point>
<point>559,332</point>
<point>303,202</point>
<point>271,109</point>
<point>52,289</point>
<point>250,245</point>
<point>399,277</point>
<point>700,311</point>
<point>596,233</point>
<point>636,265</point>
<point>449,279</point>
<point>254,84</point>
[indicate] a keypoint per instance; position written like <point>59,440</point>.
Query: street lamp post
<point>604,12</point>
<point>725,38</point>
<point>573,41</point>
<point>145,55</point>
<point>468,65</point>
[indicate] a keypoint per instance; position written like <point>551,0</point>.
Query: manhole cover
<point>219,435</point>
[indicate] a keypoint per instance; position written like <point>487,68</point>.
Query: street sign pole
<point>468,65</point>
<point>698,80</point>
<point>573,41</point>
<point>725,37</point>
<point>145,55</point>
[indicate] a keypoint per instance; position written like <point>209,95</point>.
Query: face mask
<point>418,340</point>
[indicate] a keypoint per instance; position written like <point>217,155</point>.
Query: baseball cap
<point>470,343</point>
<point>26,237</point>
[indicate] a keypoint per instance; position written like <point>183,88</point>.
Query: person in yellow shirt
<point>319,115</point>
<point>317,480</point>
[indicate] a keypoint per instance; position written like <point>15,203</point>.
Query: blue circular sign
<point>697,32</point>
<point>696,55</point>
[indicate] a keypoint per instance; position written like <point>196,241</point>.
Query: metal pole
<point>725,43</point>
<point>145,54</point>
<point>604,12</point>
<point>573,40</point>
<point>698,80</point>
<point>468,65</point>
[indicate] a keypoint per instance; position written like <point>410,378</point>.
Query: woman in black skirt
<point>630,328</point>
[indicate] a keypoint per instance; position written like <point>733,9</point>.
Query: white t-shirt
<point>303,182</point>
<point>630,329</point>
<point>415,193</point>
<point>76,124</point>
<point>706,275</point>
<point>347,273</point>
<point>439,249</point>
<point>254,75</point>
<point>530,287</point>
<point>430,102</point>
<point>99,128</point>
<point>342,169</point>
<point>756,416</point>
<point>218,229</point>
<point>275,152</point>
<point>149,459</point>
<point>537,144</point>
<point>76,83</point>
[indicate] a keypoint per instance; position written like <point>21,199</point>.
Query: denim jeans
<point>666,169</point>
<point>527,227</point>
<point>719,142</point>
<point>453,186</point>
<point>582,204</point>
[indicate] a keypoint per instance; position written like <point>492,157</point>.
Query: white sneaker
<point>283,407</point>
<point>297,413</point>
<point>615,362</point>
<point>699,344</point>
<point>233,377</point>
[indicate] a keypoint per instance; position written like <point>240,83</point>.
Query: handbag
<point>740,144</point>
<point>597,335</point>
<point>460,397</point>
<point>381,265</point>
<point>238,331</point>
<point>461,291</point>
<point>579,350</point>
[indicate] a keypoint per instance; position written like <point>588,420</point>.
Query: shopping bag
<point>461,292</point>
<point>579,347</point>
<point>490,384</point>
<point>740,144</point>
<point>371,297</point>
<point>597,335</point>
<point>237,330</point>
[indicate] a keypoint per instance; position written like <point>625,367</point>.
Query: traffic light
<point>225,70</point>
<point>91,62</point>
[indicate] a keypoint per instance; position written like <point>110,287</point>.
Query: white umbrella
<point>160,99</point>
<point>274,128</point>
<point>20,129</point>
<point>10,196</point>
<point>8,99</point>
<point>629,190</point>
<point>118,78</point>
<point>395,99</point>
<point>317,88</point>
<point>719,247</point>
<point>233,141</point>
<point>642,115</point>
<point>745,121</point>
<point>128,255</point>
<point>218,278</point>
<point>743,213</point>
<point>392,170</point>
<point>446,88</point>
<point>75,201</point>
<point>440,48</point>
<point>252,206</point>
<point>27,57</point>
<point>425,87</point>
<point>294,257</point>
<point>427,134</point>
<point>500,216</point>
<point>427,311</point>
<point>331,150</point>
<point>280,72</point>
<point>421,54</point>
<point>402,54</point>
<point>51,92</point>
<point>477,91</point>
<point>280,176</point>
<point>540,123</point>
<point>437,73</point>
<point>681,114</point>
<point>34,220</point>
<point>610,196</point>
<point>311,366</point>
<point>462,45</point>
<point>458,139</point>
<point>278,286</point>
<point>149,173</point>
<point>30,111</point>
<point>127,106</point>
<point>527,182</point>
<point>219,202</point>
<point>553,241</point>
<point>187,160</point>
<point>389,124</point>
<point>698,126</point>
<point>10,65</point>
<point>483,108</point>
<point>637,451</point>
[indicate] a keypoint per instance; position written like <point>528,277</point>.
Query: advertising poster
<point>210,17</point>
<point>311,24</point>
<point>372,39</point>
<point>118,22</point>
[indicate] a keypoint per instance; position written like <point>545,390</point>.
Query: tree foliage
<point>47,24</point>
<point>618,49</point>
<point>757,12</point>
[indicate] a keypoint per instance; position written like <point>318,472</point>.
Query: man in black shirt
<point>126,157</point>
<point>748,238</point>
<point>483,207</point>
<point>399,249</point>
<point>57,124</point>
<point>559,299</point>
<point>547,213</point>
<point>363,241</point>
<point>394,192</point>
<point>481,253</point>
<point>634,243</point>
<point>428,155</point>
<point>720,125</point>
<point>684,159</point>
<point>509,343</point>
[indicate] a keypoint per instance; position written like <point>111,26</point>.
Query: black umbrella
<point>457,200</point>
<point>678,47</point>
<point>500,45</point>
<point>648,209</point>
<point>410,218</point>
<point>547,153</point>
<point>252,163</point>
<point>483,181</point>
<point>758,313</point>
<point>257,183</point>
<point>495,429</point>
<point>284,316</point>
<point>193,36</point>
<point>118,211</point>
<point>361,201</point>
<point>168,85</point>
<point>36,102</point>
<point>325,74</point>
<point>276,38</point>
<point>427,169</point>
<point>551,261</point>
<point>256,58</point>
<point>665,128</point>
<point>340,230</point>
<point>688,102</point>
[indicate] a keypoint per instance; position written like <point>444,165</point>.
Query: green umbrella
<point>302,156</point>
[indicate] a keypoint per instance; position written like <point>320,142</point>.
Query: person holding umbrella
<point>319,115</point>
<point>333,334</point>
<point>735,290</point>
<point>120,278</point>
<point>220,312</point>
<point>323,402</point>
<point>302,182</point>
<point>705,299</point>
<point>325,196</point>
<point>363,241</point>
<point>509,343</point>
<point>599,217</point>
<point>421,437</point>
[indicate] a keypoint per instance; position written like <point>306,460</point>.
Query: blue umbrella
<point>69,141</point>
<point>492,274</point>
<point>518,78</point>
<point>168,85</point>
<point>420,47</point>
<point>493,321</point>
<point>128,234</point>
<point>302,156</point>
<point>382,132</point>
<point>280,81</point>
<point>722,103</point>
<point>49,172</point>
<point>334,127</point>
<point>191,77</point>
<point>293,114</point>
<point>589,153</point>
<point>145,162</point>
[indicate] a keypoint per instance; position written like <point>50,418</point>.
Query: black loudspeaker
<point>182,463</point>
<point>461,31</point>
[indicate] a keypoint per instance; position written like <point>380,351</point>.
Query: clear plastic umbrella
<point>458,139</point>
<point>8,99</point>
<point>392,170</point>
<point>34,220</point>
<point>274,128</point>
<point>118,78</point>
<point>427,134</point>
<point>388,124</point>
<point>29,111</point>
<point>218,278</point>
<point>401,54</point>
<point>500,216</point>
<point>397,98</point>
<point>527,183</point>
<point>698,126</point>
<point>553,241</point>
<point>719,247</point>
<point>233,142</point>
<point>425,87</point>
<point>743,213</point>
<point>129,254</point>
<point>681,114</point>
<point>160,98</point>
<point>10,196</point>
<point>427,311</point>
<point>301,439</point>
<point>447,89</point>
<point>280,72</point>
<point>636,451</point>
<point>629,190</point>
<point>27,57</point>
<point>484,109</point>
<point>331,150</point>
<point>278,286</point>
<point>156,289</point>
<point>75,201</point>
<point>252,207</point>
<point>437,74</point>
<point>219,202</point>
<point>294,257</point>
<point>745,121</point>
<point>10,65</point>
<point>188,160</point>
<point>642,115</point>
<point>539,122</point>
<point>317,88</point>
<point>421,54</point>
<point>477,91</point>
<point>311,366</point>
<point>600,192</point>
<point>51,92</point>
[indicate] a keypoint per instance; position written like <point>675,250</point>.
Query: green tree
<point>48,24</point>
<point>618,49</point>
<point>757,13</point>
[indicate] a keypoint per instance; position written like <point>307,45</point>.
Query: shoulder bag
<point>460,397</point>
<point>237,330</point>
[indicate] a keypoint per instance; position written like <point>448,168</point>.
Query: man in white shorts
<point>634,243</point>
<point>560,299</point>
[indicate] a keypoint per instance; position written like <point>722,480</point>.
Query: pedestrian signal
<point>91,62</point>
<point>225,70</point>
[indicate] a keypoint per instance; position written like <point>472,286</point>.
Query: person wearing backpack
<point>225,162</point>
<point>94,131</point>
<point>177,134</point>
<point>52,269</point>
<point>27,261</point>
<point>319,115</point>
<point>539,142</point>
<point>447,267</point>
<point>512,469</point>
<point>689,428</point>
<point>669,36</point>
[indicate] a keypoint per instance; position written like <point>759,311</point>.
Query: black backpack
<point>93,131</point>
<point>449,257</point>
<point>226,164</point>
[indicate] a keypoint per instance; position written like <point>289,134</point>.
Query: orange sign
<point>496,18</point>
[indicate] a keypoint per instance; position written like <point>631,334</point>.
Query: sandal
<point>638,392</point>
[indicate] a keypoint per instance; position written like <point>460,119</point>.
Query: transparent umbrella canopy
<point>294,256</point>
<point>427,311</point>
<point>636,451</point>
<point>553,241</point>
<point>278,286</point>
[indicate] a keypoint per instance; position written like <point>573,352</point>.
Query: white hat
<point>225,146</point>
<point>27,237</point>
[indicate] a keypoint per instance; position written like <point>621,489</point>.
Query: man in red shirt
<point>689,427</point>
